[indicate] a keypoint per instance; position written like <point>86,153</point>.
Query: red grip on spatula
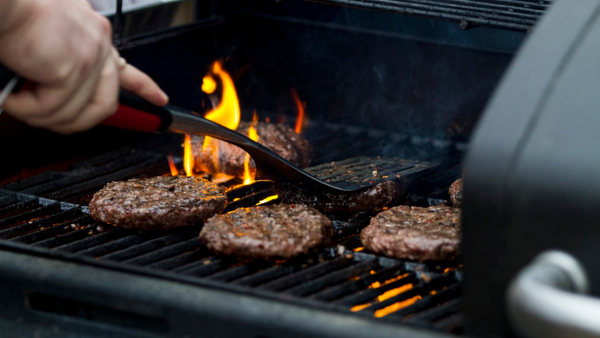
<point>133,119</point>
<point>135,113</point>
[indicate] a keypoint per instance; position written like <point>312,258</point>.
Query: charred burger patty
<point>273,232</point>
<point>414,233</point>
<point>158,203</point>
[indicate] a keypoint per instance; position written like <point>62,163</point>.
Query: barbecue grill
<point>405,105</point>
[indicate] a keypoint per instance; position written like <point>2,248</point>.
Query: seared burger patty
<point>374,198</point>
<point>280,138</point>
<point>419,234</point>
<point>456,192</point>
<point>158,203</point>
<point>272,232</point>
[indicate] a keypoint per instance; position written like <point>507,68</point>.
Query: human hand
<point>65,49</point>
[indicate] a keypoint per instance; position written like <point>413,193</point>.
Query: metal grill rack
<point>47,215</point>
<point>337,278</point>
<point>512,14</point>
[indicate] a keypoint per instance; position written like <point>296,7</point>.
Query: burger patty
<point>272,232</point>
<point>158,203</point>
<point>280,138</point>
<point>456,193</point>
<point>373,198</point>
<point>414,233</point>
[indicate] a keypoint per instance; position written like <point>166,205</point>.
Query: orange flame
<point>174,171</point>
<point>253,135</point>
<point>300,105</point>
<point>227,113</point>
<point>188,157</point>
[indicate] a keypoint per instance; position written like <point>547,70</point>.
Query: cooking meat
<point>414,233</point>
<point>373,198</point>
<point>272,232</point>
<point>280,138</point>
<point>456,192</point>
<point>158,203</point>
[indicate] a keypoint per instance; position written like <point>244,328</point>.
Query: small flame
<point>253,135</point>
<point>208,85</point>
<point>174,171</point>
<point>268,199</point>
<point>188,157</point>
<point>227,112</point>
<point>396,306</point>
<point>300,105</point>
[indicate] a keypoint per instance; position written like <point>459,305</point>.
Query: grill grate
<point>518,15</point>
<point>48,214</point>
<point>336,278</point>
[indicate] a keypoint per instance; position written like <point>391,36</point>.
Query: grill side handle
<point>545,299</point>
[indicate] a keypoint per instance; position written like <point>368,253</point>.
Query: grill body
<point>377,84</point>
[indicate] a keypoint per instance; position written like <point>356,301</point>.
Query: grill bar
<point>167,252</point>
<point>332,278</point>
<point>362,282</point>
<point>308,274</point>
<point>147,247</point>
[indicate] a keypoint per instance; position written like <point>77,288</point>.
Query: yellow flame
<point>268,199</point>
<point>208,85</point>
<point>188,157</point>
<point>174,171</point>
<point>227,112</point>
<point>253,135</point>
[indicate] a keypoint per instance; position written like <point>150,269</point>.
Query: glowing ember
<point>395,307</point>
<point>386,295</point>
<point>188,157</point>
<point>393,292</point>
<point>376,285</point>
<point>253,135</point>
<point>174,171</point>
<point>360,248</point>
<point>268,199</point>
<point>300,106</point>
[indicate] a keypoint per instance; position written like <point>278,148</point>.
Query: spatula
<point>134,113</point>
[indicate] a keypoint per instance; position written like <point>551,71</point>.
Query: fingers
<point>102,104</point>
<point>137,82</point>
